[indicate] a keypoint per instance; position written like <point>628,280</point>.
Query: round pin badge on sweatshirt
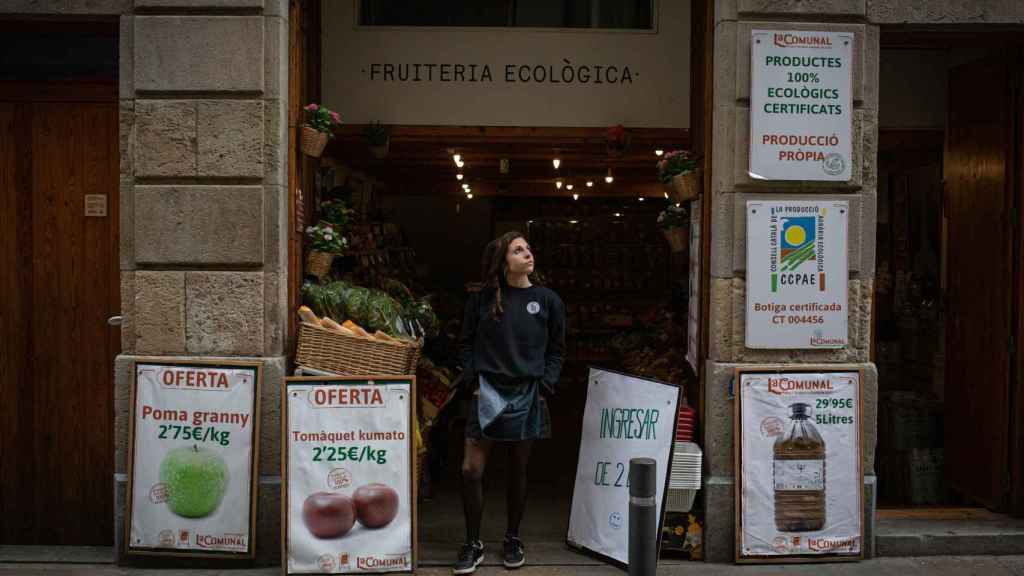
<point>533,307</point>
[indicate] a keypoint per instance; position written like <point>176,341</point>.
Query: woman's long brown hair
<point>494,265</point>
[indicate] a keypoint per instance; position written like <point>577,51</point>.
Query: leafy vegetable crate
<point>323,349</point>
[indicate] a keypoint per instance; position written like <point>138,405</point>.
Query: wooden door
<point>978,175</point>
<point>58,285</point>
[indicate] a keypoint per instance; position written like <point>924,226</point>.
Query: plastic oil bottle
<point>799,475</point>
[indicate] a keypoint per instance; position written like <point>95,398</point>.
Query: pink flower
<point>313,107</point>
<point>336,117</point>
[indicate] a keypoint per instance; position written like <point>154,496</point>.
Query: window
<point>600,14</point>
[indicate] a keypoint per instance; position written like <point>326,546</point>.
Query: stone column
<point>204,85</point>
<point>732,187</point>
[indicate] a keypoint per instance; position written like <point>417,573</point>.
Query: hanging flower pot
<point>318,129</point>
<point>677,238</point>
<point>378,139</point>
<point>685,187</point>
<point>616,140</point>
<point>380,151</point>
<point>319,263</point>
<point>313,141</point>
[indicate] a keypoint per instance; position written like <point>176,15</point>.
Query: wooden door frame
<point>1016,440</point>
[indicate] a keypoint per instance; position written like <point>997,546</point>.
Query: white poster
<point>694,303</point>
<point>625,417</point>
<point>796,274</point>
<point>801,464</point>
<point>192,458</point>
<point>349,476</point>
<point>801,105</point>
<point>508,76</point>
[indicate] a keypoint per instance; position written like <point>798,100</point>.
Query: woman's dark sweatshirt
<point>526,341</point>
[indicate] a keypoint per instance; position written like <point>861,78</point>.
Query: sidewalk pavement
<point>931,566</point>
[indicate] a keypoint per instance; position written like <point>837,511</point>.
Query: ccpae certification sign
<point>193,456</point>
<point>801,105</point>
<point>349,474</point>
<point>796,274</point>
<point>800,465</point>
<point>625,417</point>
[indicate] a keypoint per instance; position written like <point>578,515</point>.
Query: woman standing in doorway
<point>511,349</point>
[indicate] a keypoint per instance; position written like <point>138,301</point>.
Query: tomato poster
<point>349,475</point>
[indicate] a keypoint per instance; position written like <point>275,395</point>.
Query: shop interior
<point>949,183</point>
<point>418,214</point>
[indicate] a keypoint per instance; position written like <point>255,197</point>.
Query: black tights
<point>473,463</point>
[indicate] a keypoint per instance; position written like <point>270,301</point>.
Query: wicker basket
<point>319,263</point>
<point>337,353</point>
<point>687,186</point>
<point>313,141</point>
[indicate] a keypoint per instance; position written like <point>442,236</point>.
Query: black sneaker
<point>515,556</point>
<point>471,555</point>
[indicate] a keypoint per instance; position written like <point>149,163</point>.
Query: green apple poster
<point>192,458</point>
<point>348,476</point>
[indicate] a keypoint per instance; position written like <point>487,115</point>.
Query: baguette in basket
<point>333,326</point>
<point>308,316</point>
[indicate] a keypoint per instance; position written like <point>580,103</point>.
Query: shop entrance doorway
<point>592,225</point>
<point>60,281</point>
<point>948,305</point>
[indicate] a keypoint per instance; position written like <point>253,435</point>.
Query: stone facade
<point>203,164</point>
<point>732,187</point>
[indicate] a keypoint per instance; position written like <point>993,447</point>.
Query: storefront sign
<point>625,417</point>
<point>193,457</point>
<point>496,76</point>
<point>350,506</point>
<point>801,105</point>
<point>796,274</point>
<point>694,304</point>
<point>800,465</point>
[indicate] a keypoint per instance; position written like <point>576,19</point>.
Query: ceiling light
<point>469,196</point>
<point>590,183</point>
<point>568,186</point>
<point>465,186</point>
<point>641,198</point>
<point>609,178</point>
<point>659,152</point>
<point>575,196</point>
<point>457,158</point>
<point>558,183</point>
<point>460,163</point>
<point>556,163</point>
<point>459,176</point>
<point>666,195</point>
<point>574,221</point>
<point>618,215</point>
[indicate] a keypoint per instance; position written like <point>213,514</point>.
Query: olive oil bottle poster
<point>193,429</point>
<point>350,504</point>
<point>799,454</point>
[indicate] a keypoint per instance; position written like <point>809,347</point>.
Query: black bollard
<point>643,517</point>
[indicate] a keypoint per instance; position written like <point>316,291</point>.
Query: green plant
<point>676,162</point>
<point>675,216</point>
<point>324,238</point>
<point>321,119</point>
<point>376,134</point>
<point>337,213</point>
